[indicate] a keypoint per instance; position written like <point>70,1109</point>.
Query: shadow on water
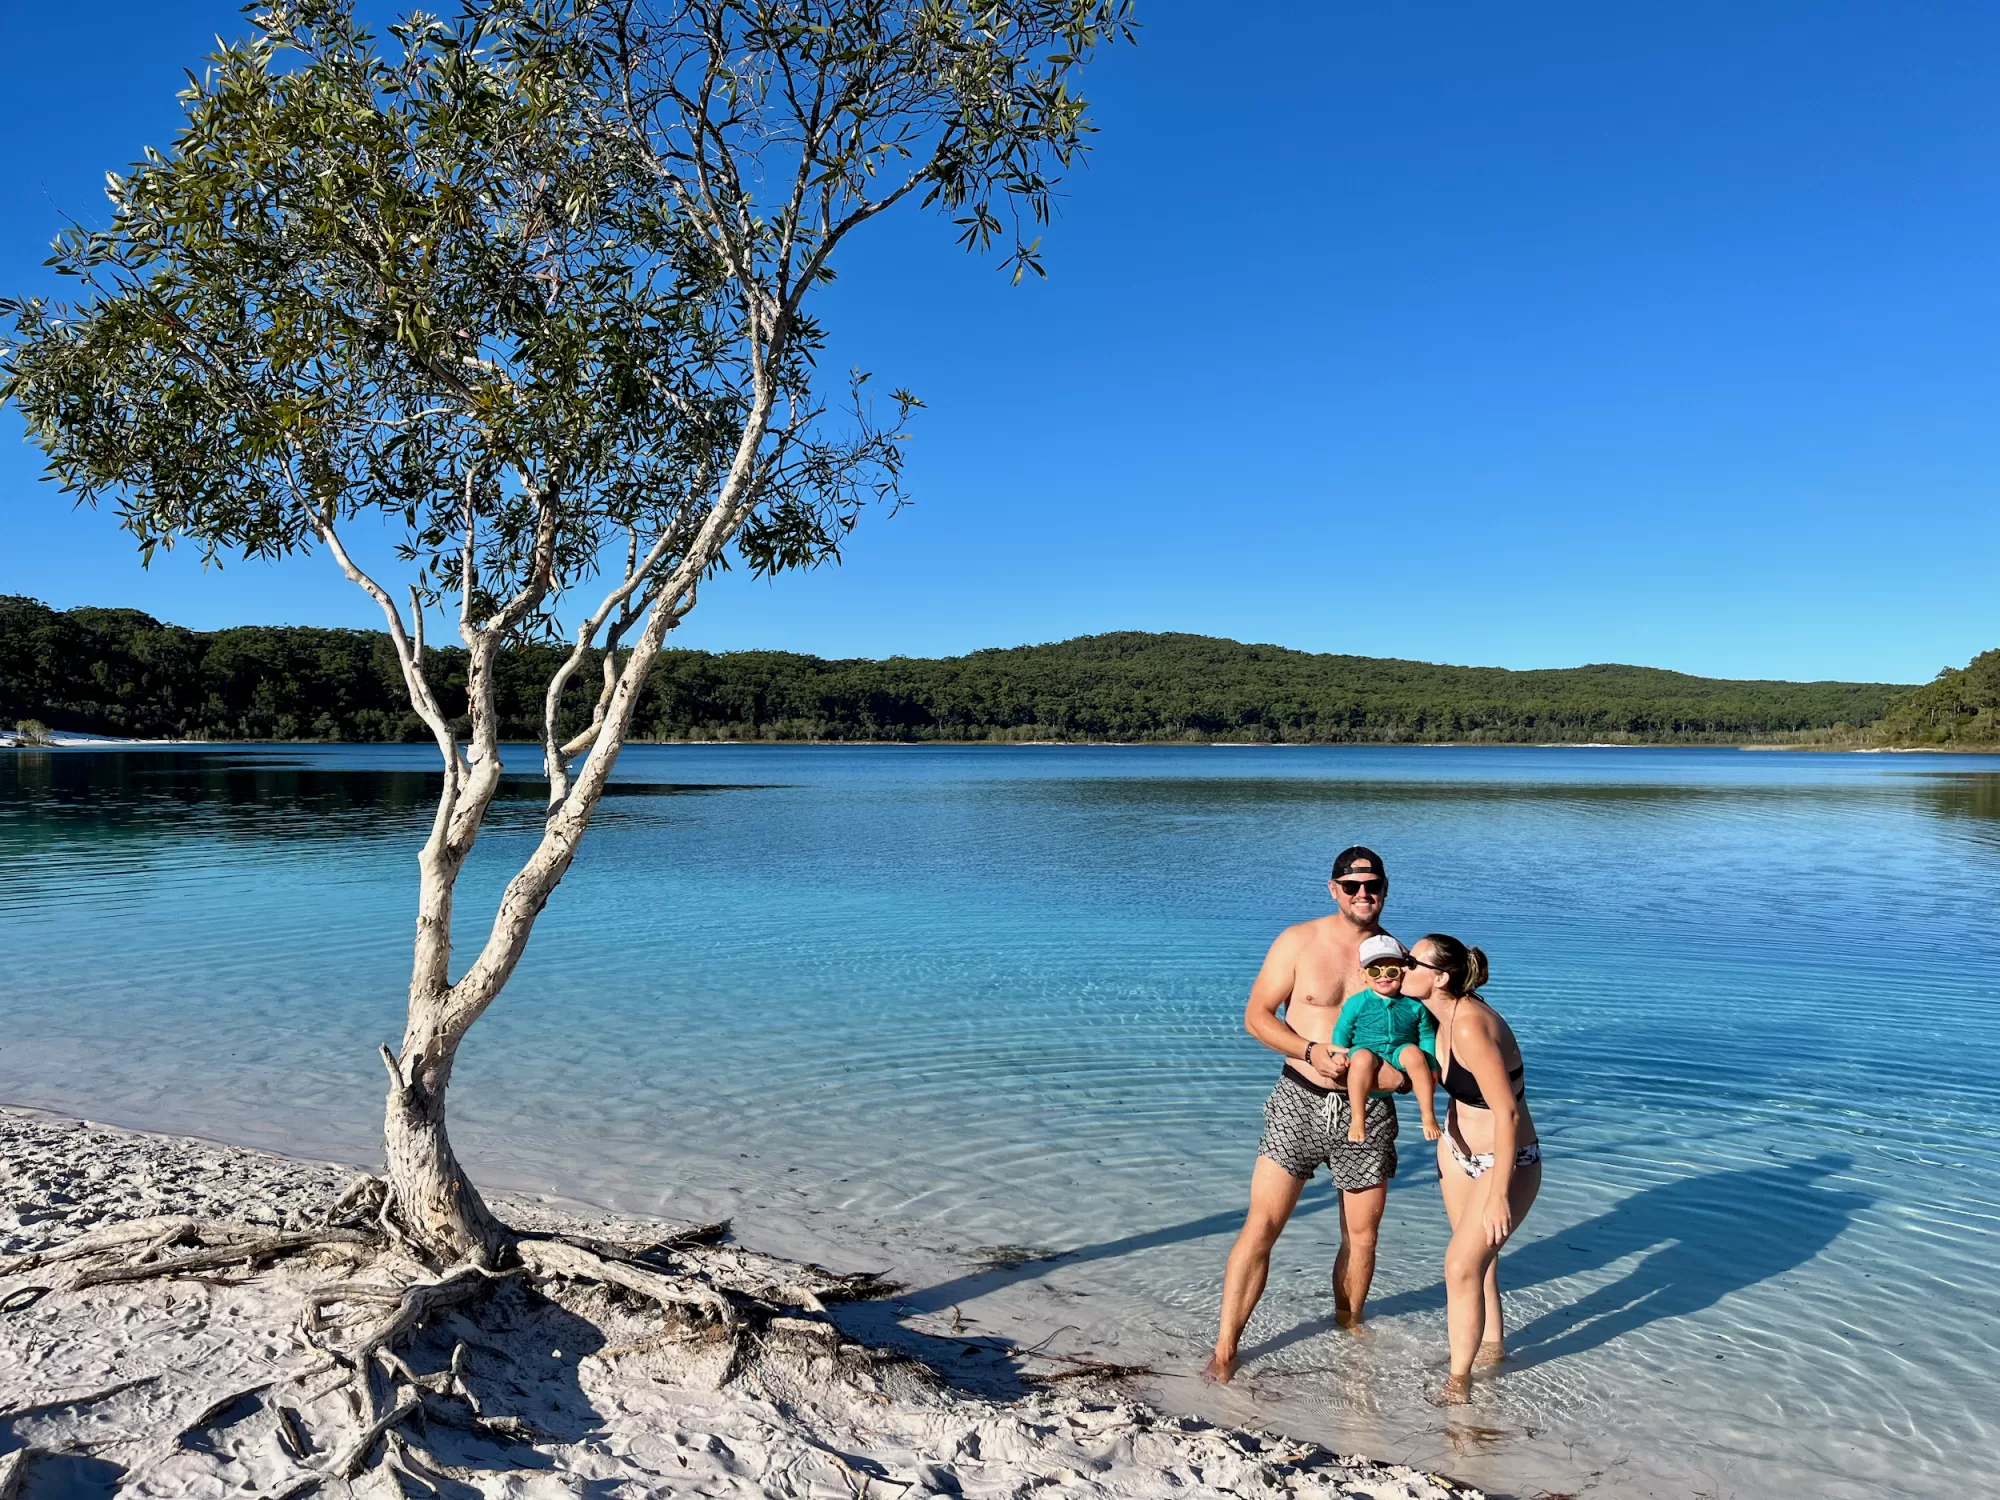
<point>992,1366</point>
<point>1700,1239</point>
<point>991,1278</point>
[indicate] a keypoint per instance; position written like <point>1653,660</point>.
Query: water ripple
<point>970,997</point>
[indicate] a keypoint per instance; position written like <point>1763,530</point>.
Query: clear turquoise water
<point>942,998</point>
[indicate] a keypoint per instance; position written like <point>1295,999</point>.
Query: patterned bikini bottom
<point>1479,1163</point>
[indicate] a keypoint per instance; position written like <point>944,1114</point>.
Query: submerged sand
<point>110,1390</point>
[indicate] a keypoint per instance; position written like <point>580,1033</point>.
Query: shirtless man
<point>1309,971</point>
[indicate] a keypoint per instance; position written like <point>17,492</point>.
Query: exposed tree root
<point>250,1253</point>
<point>634,1250</point>
<point>382,1288</point>
<point>99,1241</point>
<point>554,1257</point>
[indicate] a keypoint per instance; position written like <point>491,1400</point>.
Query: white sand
<point>101,1390</point>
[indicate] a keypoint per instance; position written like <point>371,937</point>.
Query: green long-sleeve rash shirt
<point>1384,1024</point>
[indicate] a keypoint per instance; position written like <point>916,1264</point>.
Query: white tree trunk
<point>433,1201</point>
<point>436,1202</point>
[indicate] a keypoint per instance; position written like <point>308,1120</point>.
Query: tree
<point>529,292</point>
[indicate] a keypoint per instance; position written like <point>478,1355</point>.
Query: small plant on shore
<point>530,294</point>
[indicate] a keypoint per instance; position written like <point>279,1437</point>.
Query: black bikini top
<point>1462,1086</point>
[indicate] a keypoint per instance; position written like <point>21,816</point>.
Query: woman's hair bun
<point>1464,968</point>
<point>1477,972</point>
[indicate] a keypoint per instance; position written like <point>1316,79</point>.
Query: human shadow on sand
<point>1700,1238</point>
<point>992,1365</point>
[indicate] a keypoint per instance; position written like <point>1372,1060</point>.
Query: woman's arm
<point>1475,1046</point>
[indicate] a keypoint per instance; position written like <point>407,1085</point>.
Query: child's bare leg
<point>1360,1083</point>
<point>1423,1083</point>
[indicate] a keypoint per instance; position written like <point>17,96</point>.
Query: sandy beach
<point>200,1384</point>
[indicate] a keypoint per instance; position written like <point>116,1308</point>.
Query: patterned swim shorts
<point>1305,1128</point>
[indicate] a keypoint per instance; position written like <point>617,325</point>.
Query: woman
<point>1489,1159</point>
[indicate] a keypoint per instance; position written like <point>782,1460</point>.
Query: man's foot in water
<point>1457,1391</point>
<point>1219,1370</point>
<point>1344,1316</point>
<point>1491,1353</point>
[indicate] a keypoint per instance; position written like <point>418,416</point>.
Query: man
<point>1309,971</point>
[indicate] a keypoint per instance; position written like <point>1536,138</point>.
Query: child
<point>1378,1025</point>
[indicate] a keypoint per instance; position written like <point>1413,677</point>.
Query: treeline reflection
<point>69,795</point>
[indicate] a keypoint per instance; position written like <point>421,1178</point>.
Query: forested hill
<point>1962,707</point>
<point>120,672</point>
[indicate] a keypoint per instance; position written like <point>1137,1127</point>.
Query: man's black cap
<point>1366,860</point>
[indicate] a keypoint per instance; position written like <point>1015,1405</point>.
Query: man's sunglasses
<point>1383,970</point>
<point>1356,887</point>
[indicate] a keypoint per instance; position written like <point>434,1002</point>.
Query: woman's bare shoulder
<point>1493,1026</point>
<point>1480,1022</point>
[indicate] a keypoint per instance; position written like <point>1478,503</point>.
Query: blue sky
<point>1527,336</point>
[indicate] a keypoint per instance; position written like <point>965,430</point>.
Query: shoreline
<point>61,741</point>
<point>96,1379</point>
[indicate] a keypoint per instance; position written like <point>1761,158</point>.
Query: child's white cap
<point>1381,946</point>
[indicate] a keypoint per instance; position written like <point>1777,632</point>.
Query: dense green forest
<point>120,672</point>
<point>1962,707</point>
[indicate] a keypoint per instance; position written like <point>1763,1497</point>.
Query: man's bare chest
<point>1321,987</point>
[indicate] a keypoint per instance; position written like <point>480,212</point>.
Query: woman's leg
<point>1465,1261</point>
<point>1453,1184</point>
<point>1471,1273</point>
<point>1493,1341</point>
<point>1458,1191</point>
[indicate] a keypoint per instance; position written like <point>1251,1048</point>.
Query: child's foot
<point>1357,1130</point>
<point>1431,1131</point>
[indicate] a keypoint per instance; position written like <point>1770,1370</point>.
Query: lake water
<point>908,1004</point>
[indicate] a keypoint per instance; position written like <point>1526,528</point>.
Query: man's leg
<point>1274,1193</point>
<point>1354,1267</point>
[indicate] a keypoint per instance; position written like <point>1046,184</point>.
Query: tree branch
<point>556,755</point>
